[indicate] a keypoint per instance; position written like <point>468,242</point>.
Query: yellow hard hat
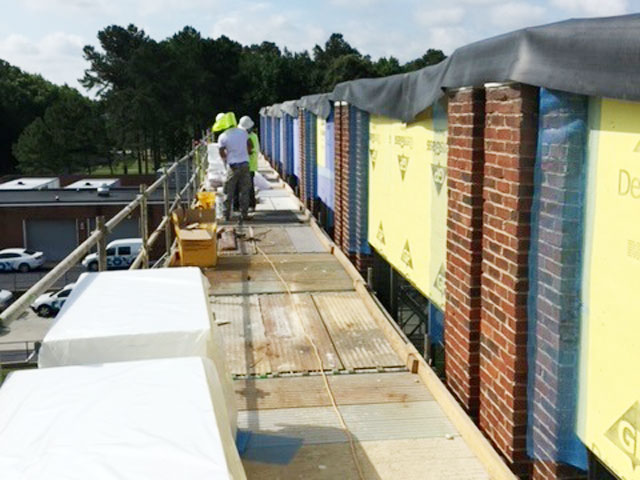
<point>227,120</point>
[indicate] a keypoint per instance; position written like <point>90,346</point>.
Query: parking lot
<point>18,282</point>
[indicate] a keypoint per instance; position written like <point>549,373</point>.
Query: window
<point>9,255</point>
<point>111,252</point>
<point>29,252</point>
<point>64,293</point>
<point>124,250</point>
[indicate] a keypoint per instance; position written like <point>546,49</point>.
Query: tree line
<point>151,98</point>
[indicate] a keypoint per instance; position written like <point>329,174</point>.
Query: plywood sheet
<point>243,275</point>
<point>415,459</point>
<point>245,344</point>
<point>349,389</point>
<point>287,320</point>
<point>305,240</point>
<point>355,334</point>
<point>370,422</point>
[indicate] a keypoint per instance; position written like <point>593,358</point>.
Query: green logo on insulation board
<point>439,174</point>
<point>625,434</point>
<point>440,280</point>
<point>403,163</point>
<point>406,255</point>
<point>374,156</point>
<point>380,235</point>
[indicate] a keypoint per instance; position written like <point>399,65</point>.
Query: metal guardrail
<point>19,352</point>
<point>99,236</point>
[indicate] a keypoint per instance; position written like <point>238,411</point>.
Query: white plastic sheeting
<point>135,315</point>
<point>216,170</point>
<point>151,419</point>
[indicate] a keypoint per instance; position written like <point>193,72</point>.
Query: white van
<point>120,254</point>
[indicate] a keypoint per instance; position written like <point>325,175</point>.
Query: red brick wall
<point>510,149</point>
<point>12,219</point>
<point>341,172</point>
<point>464,245</point>
<point>302,183</point>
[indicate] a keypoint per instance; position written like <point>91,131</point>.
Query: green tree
<point>63,140</point>
<point>23,98</point>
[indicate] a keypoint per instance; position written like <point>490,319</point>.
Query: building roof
<point>68,197</point>
<point>27,183</point>
<point>93,183</point>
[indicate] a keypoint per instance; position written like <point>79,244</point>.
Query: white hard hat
<point>219,116</point>
<point>245,123</point>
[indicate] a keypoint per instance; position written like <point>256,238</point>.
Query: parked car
<point>49,304</point>
<point>120,254</point>
<point>5,299</point>
<point>20,259</point>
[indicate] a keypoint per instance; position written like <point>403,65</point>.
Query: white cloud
<point>593,7</point>
<point>356,3</point>
<point>259,22</point>
<point>515,15</point>
<point>57,56</point>
<point>441,17</point>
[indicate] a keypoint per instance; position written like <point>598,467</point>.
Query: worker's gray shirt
<point>234,141</point>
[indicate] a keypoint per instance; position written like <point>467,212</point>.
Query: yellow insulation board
<point>609,393</point>
<point>321,129</point>
<point>408,199</point>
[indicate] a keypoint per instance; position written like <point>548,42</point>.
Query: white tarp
<point>216,169</point>
<point>151,419</point>
<point>136,315</point>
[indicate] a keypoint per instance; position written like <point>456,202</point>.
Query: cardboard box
<point>197,237</point>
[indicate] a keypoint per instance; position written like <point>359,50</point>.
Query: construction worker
<point>247,124</point>
<point>215,132</point>
<point>235,148</point>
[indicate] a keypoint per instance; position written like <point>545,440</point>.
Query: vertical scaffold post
<point>165,192</point>
<point>144,225</point>
<point>187,167</point>
<point>102,243</point>
<point>177,171</point>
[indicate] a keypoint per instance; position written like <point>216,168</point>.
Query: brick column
<point>465,166</point>
<point>337,173</point>
<point>341,170</point>
<point>303,157</point>
<point>554,304</point>
<point>510,149</point>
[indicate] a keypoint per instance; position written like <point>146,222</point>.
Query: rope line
<point>316,351</point>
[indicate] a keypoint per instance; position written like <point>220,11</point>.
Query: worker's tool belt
<point>239,165</point>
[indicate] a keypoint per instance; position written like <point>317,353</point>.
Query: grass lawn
<point>118,168</point>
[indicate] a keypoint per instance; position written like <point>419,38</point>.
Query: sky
<point>47,36</point>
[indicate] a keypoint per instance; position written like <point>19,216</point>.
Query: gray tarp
<point>400,96</point>
<point>318,104</point>
<point>596,57</point>
<point>290,108</point>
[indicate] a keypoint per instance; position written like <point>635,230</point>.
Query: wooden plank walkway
<point>399,429</point>
<point>358,340</point>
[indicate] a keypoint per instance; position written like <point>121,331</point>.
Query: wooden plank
<point>355,334</point>
<point>252,274</point>
<point>286,319</point>
<point>246,347</point>
<point>289,392</point>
